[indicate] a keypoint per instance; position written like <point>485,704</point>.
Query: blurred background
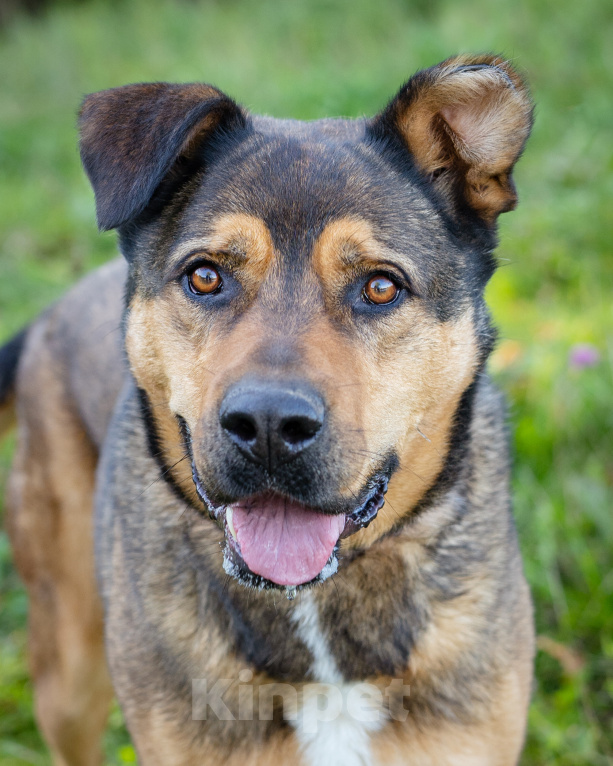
<point>552,297</point>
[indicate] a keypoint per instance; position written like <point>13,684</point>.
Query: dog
<point>261,483</point>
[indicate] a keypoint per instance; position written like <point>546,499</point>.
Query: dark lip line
<point>358,519</point>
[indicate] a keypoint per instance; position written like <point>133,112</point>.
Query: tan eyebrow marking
<point>235,231</point>
<point>351,240</point>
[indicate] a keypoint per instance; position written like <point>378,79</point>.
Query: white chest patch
<point>335,719</point>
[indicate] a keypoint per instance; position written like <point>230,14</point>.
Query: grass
<point>552,292</point>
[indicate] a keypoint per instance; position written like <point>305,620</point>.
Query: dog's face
<point>306,308</point>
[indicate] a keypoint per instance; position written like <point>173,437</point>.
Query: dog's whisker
<point>160,478</point>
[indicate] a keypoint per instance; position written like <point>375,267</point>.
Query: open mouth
<point>275,542</point>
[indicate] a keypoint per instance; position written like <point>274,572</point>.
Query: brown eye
<point>204,280</point>
<point>380,290</point>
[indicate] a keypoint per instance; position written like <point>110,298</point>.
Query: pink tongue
<point>283,540</point>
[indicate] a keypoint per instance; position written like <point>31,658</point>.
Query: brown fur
<point>431,593</point>
<point>182,374</point>
<point>50,515</point>
<point>472,122</point>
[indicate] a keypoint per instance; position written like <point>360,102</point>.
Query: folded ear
<point>131,138</point>
<point>465,122</point>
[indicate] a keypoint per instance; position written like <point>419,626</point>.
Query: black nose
<point>271,422</point>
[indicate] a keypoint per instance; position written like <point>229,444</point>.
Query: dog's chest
<point>336,719</point>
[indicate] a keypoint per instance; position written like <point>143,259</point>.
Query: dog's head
<point>305,304</point>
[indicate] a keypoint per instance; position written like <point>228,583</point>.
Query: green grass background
<point>554,288</point>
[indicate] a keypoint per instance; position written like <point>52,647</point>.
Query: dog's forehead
<point>298,177</point>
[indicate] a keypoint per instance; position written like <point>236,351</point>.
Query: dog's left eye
<point>204,280</point>
<point>380,290</point>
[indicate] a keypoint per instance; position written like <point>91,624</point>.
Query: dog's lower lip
<point>362,516</point>
<point>215,511</point>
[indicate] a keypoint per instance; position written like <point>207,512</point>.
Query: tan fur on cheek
<point>165,353</point>
<point>165,338</point>
<point>401,381</point>
<point>142,350</point>
<point>415,396</point>
<point>184,363</point>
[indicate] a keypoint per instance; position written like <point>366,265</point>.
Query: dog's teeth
<point>229,521</point>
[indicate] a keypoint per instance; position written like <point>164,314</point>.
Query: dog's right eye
<point>380,290</point>
<point>204,280</point>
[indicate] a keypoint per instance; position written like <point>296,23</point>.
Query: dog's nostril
<point>240,425</point>
<point>271,423</point>
<point>297,430</point>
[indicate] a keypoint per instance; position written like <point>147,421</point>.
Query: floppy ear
<point>465,122</point>
<point>131,137</point>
